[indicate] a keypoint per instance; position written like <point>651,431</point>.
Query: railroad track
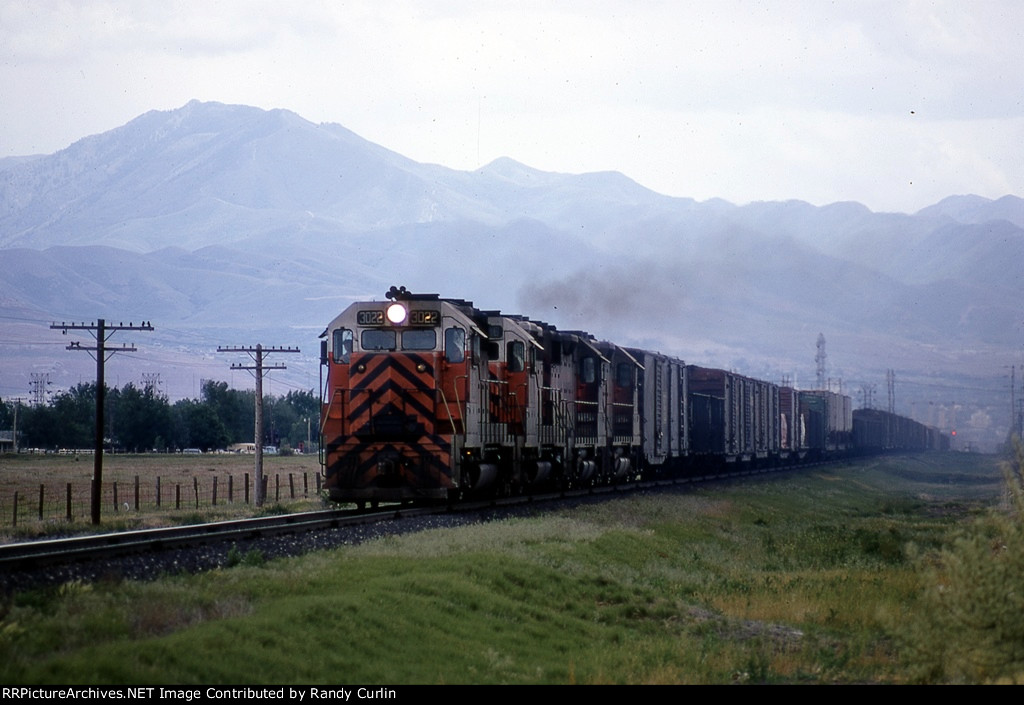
<point>34,555</point>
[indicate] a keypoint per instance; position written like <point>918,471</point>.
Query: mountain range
<point>232,225</point>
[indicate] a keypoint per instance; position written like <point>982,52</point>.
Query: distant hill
<point>220,223</point>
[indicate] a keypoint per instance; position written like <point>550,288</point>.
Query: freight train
<point>430,398</point>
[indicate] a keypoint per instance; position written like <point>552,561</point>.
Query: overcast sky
<point>894,104</point>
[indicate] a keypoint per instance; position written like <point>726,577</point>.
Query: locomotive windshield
<point>373,339</point>
<point>425,339</point>
<point>414,339</point>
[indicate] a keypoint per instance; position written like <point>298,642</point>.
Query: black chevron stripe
<point>377,365</point>
<point>433,457</point>
<point>373,396</point>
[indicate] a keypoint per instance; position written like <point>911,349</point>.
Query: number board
<point>424,318</point>
<point>416,318</point>
<point>370,318</point>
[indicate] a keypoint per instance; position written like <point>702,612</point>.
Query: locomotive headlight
<point>397,314</point>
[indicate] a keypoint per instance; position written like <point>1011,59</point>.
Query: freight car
<point>430,398</point>
<point>877,431</point>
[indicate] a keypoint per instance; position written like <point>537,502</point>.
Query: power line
<point>258,353</point>
<point>101,332</point>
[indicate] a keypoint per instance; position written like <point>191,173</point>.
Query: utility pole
<point>890,381</point>
<point>1018,412</point>
<point>14,431</point>
<point>101,331</point>
<point>258,353</point>
<point>819,360</point>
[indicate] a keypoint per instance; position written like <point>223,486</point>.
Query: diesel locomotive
<point>431,398</point>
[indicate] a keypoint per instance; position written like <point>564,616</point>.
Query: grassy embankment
<point>802,578</point>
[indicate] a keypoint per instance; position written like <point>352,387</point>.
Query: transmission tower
<point>819,360</point>
<point>151,383</point>
<point>38,386</point>
<point>867,392</point>
<point>258,353</point>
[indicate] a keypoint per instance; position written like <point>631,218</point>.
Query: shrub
<point>970,626</point>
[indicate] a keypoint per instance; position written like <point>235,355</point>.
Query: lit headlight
<point>397,313</point>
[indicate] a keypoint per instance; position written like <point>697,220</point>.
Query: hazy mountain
<point>233,225</point>
<point>975,209</point>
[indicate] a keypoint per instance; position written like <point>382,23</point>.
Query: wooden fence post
<point>15,508</point>
<point>136,493</point>
<point>69,502</point>
<point>41,488</point>
<point>291,484</point>
<point>215,490</point>
<point>246,488</point>
<point>157,491</point>
<point>177,496</point>
<point>115,495</point>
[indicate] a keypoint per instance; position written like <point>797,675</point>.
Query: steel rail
<point>30,554</point>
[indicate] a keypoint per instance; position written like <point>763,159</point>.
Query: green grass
<point>811,577</point>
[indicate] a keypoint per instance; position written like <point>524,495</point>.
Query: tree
<point>38,427</point>
<point>196,425</point>
<point>75,419</point>
<point>137,418</point>
<point>288,418</point>
<point>6,415</point>
<point>235,409</point>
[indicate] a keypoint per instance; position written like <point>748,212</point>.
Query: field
<point>815,577</point>
<point>186,482</point>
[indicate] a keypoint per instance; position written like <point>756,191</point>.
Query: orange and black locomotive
<point>432,398</point>
<point>429,398</point>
